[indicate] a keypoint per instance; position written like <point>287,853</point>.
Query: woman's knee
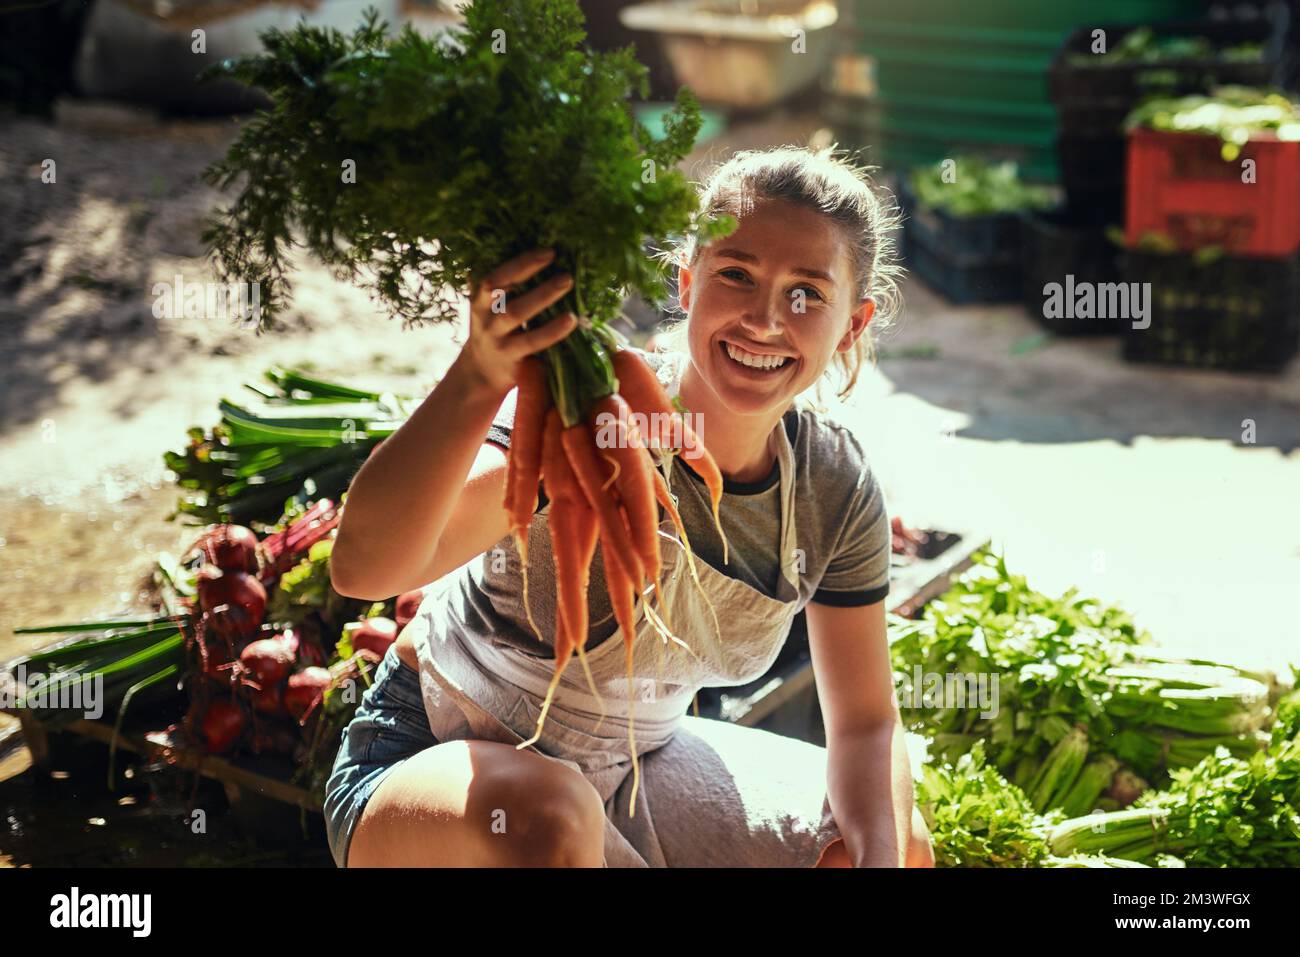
<point>478,803</point>
<point>563,820</point>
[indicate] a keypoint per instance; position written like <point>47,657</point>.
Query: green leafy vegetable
<point>972,186</point>
<point>1141,45</point>
<point>1234,114</point>
<point>977,818</point>
<point>1076,683</point>
<point>1224,812</point>
<point>508,136</point>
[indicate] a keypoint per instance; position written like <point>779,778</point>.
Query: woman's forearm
<point>870,788</point>
<point>402,498</point>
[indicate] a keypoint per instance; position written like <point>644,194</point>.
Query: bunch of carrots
<point>600,490</point>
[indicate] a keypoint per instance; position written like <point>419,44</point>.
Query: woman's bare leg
<point>480,804</point>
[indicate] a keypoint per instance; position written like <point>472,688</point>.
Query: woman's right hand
<point>497,342</point>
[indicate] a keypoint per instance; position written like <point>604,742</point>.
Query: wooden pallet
<point>239,777</point>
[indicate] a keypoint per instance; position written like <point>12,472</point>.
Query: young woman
<point>428,772</point>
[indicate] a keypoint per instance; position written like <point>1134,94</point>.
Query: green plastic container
<point>1027,15</point>
<point>958,76</point>
<point>892,137</point>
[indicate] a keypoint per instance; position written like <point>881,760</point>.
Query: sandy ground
<point>1131,482</point>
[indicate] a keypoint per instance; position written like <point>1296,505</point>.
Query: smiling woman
<point>449,739</point>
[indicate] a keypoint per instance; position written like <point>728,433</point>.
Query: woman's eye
<point>812,291</point>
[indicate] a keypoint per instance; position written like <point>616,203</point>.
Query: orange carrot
<point>701,463</point>
<point>524,465</point>
<point>632,470</point>
<point>642,391</point>
<point>572,524</point>
<point>573,542</point>
<point>591,472</point>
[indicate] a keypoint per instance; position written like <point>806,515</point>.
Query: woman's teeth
<point>755,361</point>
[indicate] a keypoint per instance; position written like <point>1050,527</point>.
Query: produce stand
<point>783,700</point>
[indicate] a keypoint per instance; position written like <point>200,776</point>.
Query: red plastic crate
<point>1180,185</point>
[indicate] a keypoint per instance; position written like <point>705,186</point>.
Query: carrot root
<point>631,737</point>
<point>546,706</point>
<point>521,546</point>
<point>665,499</point>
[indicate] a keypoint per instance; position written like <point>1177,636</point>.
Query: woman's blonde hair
<point>826,181</point>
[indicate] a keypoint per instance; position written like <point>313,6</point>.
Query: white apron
<point>710,793</point>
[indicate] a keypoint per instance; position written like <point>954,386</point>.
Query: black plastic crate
<point>1062,244</point>
<point>1093,173</point>
<point>972,281</point>
<point>1232,313</point>
<point>1093,101</point>
<point>961,240</point>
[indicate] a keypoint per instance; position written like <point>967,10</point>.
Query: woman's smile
<point>755,364</point>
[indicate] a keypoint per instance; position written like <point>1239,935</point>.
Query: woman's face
<point>769,306</point>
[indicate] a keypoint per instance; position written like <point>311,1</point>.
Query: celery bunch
<point>1224,812</point>
<point>977,818</point>
<point>1088,712</point>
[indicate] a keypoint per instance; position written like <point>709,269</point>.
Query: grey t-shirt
<point>843,535</point>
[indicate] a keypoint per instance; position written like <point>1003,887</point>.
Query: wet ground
<point>1131,482</point>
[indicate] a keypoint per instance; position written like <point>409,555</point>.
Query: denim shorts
<point>390,725</point>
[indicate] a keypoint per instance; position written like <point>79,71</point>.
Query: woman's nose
<point>768,319</point>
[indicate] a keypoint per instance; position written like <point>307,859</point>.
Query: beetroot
<point>268,661</point>
<point>374,634</point>
<point>310,652</point>
<point>268,699</point>
<point>232,548</point>
<point>223,723</point>
<point>274,739</point>
<point>305,690</point>
<point>408,606</point>
<point>234,602</point>
<point>215,659</point>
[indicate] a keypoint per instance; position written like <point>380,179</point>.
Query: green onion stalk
<point>134,658</point>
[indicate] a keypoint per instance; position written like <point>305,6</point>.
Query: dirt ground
<point>1131,482</point>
